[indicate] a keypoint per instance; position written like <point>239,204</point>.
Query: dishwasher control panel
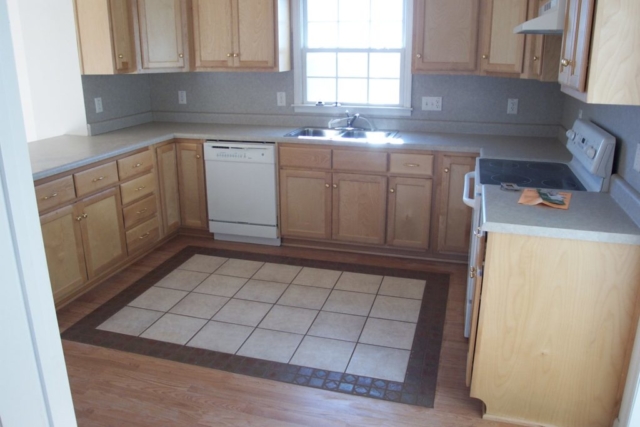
<point>239,152</point>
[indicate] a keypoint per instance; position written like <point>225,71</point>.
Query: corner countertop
<point>61,154</point>
<point>591,216</point>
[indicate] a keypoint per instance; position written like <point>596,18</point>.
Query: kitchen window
<point>353,53</point>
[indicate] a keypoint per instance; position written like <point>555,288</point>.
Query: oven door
<point>472,197</point>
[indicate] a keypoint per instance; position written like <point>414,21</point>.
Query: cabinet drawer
<point>143,235</point>
<point>55,193</point>
<point>412,164</point>
<point>96,178</point>
<point>135,165</point>
<point>140,211</point>
<point>365,161</point>
<point>316,158</point>
<point>138,188</point>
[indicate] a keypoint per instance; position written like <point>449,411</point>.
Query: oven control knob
<point>571,134</point>
<point>591,152</point>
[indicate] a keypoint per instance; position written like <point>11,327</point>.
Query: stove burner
<point>504,164</point>
<point>563,184</point>
<point>547,167</point>
<point>512,178</point>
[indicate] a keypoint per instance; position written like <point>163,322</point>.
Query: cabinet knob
<point>392,190</point>
<point>229,55</point>
<point>84,215</point>
<point>327,185</point>
<point>79,218</point>
<point>535,59</point>
<point>418,56</point>
<point>485,56</point>
<point>181,56</point>
<point>50,197</point>
<point>446,170</point>
<point>140,188</point>
<point>565,62</point>
<point>197,156</point>
<point>235,55</point>
<point>121,56</point>
<point>137,165</point>
<point>335,185</point>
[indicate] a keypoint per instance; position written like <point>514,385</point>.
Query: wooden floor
<point>112,388</point>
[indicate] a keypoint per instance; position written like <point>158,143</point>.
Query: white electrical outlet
<point>432,103</point>
<point>636,163</point>
<point>98,102</point>
<point>282,99</point>
<point>512,106</point>
<point>182,97</point>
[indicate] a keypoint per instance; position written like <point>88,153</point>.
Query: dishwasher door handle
<point>467,183</point>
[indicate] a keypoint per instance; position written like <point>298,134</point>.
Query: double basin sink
<point>345,134</point>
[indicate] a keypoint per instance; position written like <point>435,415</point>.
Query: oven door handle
<point>467,184</point>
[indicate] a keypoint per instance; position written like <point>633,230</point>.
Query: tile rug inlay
<point>423,335</point>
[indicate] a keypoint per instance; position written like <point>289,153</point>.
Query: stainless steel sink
<point>354,135</point>
<point>314,133</point>
<point>368,135</point>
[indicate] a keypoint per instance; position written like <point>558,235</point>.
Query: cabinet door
<point>542,53</point>
<point>212,30</point>
<point>168,181</point>
<point>305,204</point>
<point>445,35</point>
<point>102,231</point>
<point>409,212</point>
<point>359,208</point>
<point>161,33</point>
<point>255,44</point>
<point>478,265</point>
<point>502,50</point>
<point>191,184</point>
<point>123,38</point>
<point>63,247</point>
<point>576,43</point>
<point>454,219</point>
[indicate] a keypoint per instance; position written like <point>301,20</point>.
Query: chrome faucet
<point>352,119</point>
<point>348,121</point>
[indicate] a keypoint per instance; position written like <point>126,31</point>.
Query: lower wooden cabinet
<point>168,183</point>
<point>305,204</point>
<point>191,183</point>
<point>409,212</point>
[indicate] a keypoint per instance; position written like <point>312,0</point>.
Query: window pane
<point>387,10</point>
<point>321,90</point>
<point>322,35</point>
<point>322,10</point>
<point>354,10</point>
<point>385,92</point>
<point>385,65</point>
<point>385,35</point>
<point>321,64</point>
<point>354,35</point>
<point>352,64</point>
<point>352,91</point>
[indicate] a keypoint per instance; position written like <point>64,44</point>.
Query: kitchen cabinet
<point>191,184</point>
<point>502,51</point>
<point>106,39</point>
<point>600,60</point>
<point>454,217</point>
<point>305,204</point>
<point>409,212</point>
<point>445,36</point>
<point>241,34</point>
<point>556,325</point>
<point>542,52</point>
<point>168,187</point>
<point>164,37</point>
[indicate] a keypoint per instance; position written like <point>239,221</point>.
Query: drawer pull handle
<point>99,179</point>
<point>137,165</point>
<point>142,211</point>
<point>412,165</point>
<point>140,188</point>
<point>50,197</point>
<point>145,235</point>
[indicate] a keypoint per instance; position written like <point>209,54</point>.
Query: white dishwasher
<point>241,191</point>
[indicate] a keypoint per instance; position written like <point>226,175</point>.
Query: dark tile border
<point>419,386</point>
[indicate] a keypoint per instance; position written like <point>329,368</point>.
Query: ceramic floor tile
<point>239,268</point>
<point>357,282</point>
<point>271,345</point>
<point>379,362</point>
<point>388,333</point>
<point>405,310</point>
<point>182,280</point>
<point>338,326</point>
<point>317,277</point>
<point>159,299</point>
<point>355,303</point>
<point>203,263</point>
<point>222,286</point>
<point>130,321</point>
<point>289,319</point>
<point>174,329</point>
<point>240,312</point>
<point>199,305</point>
<point>258,290</point>
<point>322,353</point>
<point>223,337</point>
<point>404,288</point>
<point>277,273</point>
<point>304,297</point>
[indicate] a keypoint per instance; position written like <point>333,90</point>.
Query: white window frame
<point>381,111</point>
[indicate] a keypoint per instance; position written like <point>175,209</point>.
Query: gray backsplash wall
<point>621,121</point>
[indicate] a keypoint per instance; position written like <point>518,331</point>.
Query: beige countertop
<point>61,154</point>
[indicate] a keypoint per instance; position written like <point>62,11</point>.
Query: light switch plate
<point>98,102</point>
<point>282,99</point>
<point>182,97</point>
<point>512,106</point>
<point>636,163</point>
<point>432,103</point>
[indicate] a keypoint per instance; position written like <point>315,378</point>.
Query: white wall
<point>46,53</point>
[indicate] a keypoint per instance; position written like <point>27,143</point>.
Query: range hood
<point>549,21</point>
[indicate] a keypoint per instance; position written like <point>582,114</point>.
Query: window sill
<point>364,110</point>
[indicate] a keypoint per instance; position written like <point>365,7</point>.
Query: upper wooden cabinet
<point>242,34</point>
<point>163,34</point>
<point>542,52</point>
<point>106,40</point>
<point>502,51</point>
<point>445,35</point>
